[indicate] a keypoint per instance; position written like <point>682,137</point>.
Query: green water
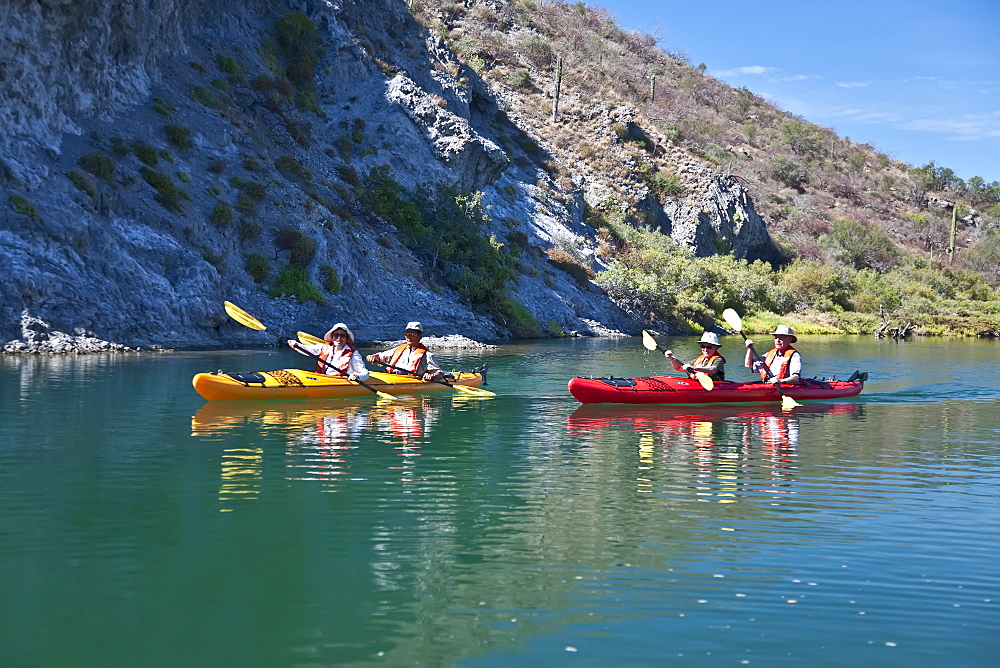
<point>141,526</point>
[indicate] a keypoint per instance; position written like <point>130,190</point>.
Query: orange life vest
<point>397,353</point>
<point>769,357</point>
<point>706,360</point>
<point>327,353</point>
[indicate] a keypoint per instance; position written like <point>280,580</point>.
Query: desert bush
<point>787,171</point>
<point>560,259</point>
<point>21,205</point>
<point>83,182</point>
<point>221,215</point>
<point>99,164</point>
<point>147,154</point>
<point>257,266</point>
<point>228,65</point>
<point>664,185</point>
<point>250,196</point>
<point>859,246</point>
<point>520,79</point>
<point>168,194</point>
<point>330,278</point>
<point>292,281</point>
<point>817,286</point>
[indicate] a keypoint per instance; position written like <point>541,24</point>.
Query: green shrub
<point>198,67</point>
<point>248,230</point>
<point>221,215</point>
<point>221,85</point>
<point>787,171</point>
<point>817,286</point>
<point>664,185</point>
<point>250,196</point>
<point>22,206</point>
<point>298,42</point>
<point>303,248</point>
<point>216,166</point>
<point>146,153</point>
<point>228,65</point>
<point>99,164</point>
<point>184,177</point>
<point>180,137</point>
<point>294,282</point>
<point>860,246</point>
<point>290,167</point>
<point>83,182</point>
<point>168,193</point>
<point>560,259</point>
<point>257,266</point>
<point>205,97</point>
<point>331,280</point>
<point>520,79</point>
<point>214,259</point>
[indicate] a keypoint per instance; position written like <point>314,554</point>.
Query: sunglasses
<point>342,334</point>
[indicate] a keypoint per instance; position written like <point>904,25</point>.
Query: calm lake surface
<point>142,526</point>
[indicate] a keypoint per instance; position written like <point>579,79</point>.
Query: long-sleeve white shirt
<point>338,358</point>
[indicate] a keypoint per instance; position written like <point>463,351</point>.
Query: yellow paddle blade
<point>787,403</point>
<point>242,317</point>
<point>308,339</point>
<point>705,380</point>
<point>473,390</point>
<point>733,319</point>
<point>385,395</point>
<point>648,341</point>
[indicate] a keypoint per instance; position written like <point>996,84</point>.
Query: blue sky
<point>918,80</point>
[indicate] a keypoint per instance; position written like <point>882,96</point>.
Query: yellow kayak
<point>299,384</point>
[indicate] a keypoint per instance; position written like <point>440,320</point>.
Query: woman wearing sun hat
<point>710,362</point>
<point>338,355</point>
<point>783,361</point>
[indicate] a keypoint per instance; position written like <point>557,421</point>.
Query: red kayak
<point>674,390</point>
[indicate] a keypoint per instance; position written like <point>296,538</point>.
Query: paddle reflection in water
<point>723,452</point>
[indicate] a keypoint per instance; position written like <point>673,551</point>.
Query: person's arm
<point>379,357</point>
<point>669,354</point>
<point>314,348</point>
<point>429,368</point>
<point>750,359</point>
<point>356,369</point>
<point>711,369</point>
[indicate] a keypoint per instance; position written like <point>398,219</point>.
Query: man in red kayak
<point>783,361</point>
<point>410,358</point>
<point>710,362</point>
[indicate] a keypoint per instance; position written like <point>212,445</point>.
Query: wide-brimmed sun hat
<point>414,326</point>
<point>347,330</point>
<point>710,337</point>
<point>785,330</point>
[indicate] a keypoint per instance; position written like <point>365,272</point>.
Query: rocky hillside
<point>312,162</point>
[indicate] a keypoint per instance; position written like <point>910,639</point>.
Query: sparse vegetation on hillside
<point>863,235</point>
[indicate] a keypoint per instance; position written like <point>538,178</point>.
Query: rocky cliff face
<point>150,150</point>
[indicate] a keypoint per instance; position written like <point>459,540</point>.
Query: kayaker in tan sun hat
<point>338,355</point>
<point>783,361</point>
<point>410,358</point>
<point>710,362</point>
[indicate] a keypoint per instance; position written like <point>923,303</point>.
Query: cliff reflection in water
<point>729,450</point>
<point>319,440</point>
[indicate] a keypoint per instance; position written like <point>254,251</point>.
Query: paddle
<point>478,391</point>
<point>703,378</point>
<point>733,319</point>
<point>247,320</point>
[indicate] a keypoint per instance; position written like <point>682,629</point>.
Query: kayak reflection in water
<point>781,364</point>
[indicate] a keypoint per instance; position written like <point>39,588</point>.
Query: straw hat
<point>710,337</point>
<point>340,325</point>
<point>785,330</point>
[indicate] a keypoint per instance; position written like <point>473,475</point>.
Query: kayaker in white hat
<point>339,356</point>
<point>411,358</point>
<point>710,362</point>
<point>783,361</point>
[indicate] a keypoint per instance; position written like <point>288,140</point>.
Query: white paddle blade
<point>648,341</point>
<point>733,319</point>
